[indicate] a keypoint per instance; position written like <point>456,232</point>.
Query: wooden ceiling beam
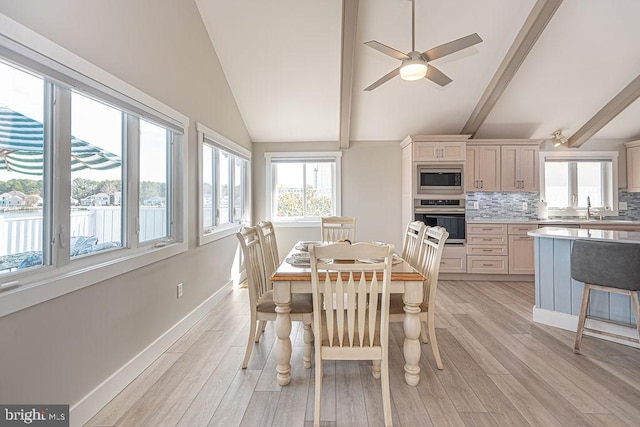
<point>531,30</point>
<point>349,24</point>
<point>618,103</point>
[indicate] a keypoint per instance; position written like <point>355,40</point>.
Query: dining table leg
<point>282,299</point>
<point>411,324</point>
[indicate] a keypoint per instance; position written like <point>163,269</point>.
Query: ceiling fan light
<point>413,70</point>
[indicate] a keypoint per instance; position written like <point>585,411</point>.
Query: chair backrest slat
<point>336,228</point>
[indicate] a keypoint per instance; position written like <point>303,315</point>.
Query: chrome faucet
<point>588,208</point>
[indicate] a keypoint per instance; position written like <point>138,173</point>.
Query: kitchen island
<point>558,297</point>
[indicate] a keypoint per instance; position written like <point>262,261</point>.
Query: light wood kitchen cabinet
<point>519,168</point>
<point>487,264</point>
<point>482,168</point>
<point>521,251</point>
<point>487,249</point>
<point>633,166</point>
<point>437,151</point>
<point>454,259</point>
<point>500,248</point>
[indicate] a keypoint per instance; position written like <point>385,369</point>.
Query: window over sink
<point>571,181</point>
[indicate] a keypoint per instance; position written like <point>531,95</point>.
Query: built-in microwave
<point>439,179</point>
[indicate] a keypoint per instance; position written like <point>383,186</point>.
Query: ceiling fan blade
<point>437,76</point>
<point>383,79</point>
<point>387,50</point>
<point>451,47</point>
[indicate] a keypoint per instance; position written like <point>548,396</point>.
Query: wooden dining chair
<point>261,302</point>
<point>431,248</point>
<point>412,241</point>
<point>345,298</point>
<point>270,257</point>
<point>336,228</point>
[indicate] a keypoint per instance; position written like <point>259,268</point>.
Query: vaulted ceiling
<point>298,69</point>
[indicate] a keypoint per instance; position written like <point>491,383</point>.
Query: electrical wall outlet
<point>476,205</point>
<point>525,206</point>
<point>179,290</point>
<point>622,206</point>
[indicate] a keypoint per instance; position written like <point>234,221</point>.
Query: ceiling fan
<point>414,64</point>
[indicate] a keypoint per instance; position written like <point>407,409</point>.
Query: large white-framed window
<point>573,180</point>
<point>302,187</point>
<point>224,192</point>
<point>78,150</point>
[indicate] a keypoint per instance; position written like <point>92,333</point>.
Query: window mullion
<point>61,176</point>
<point>131,196</point>
<point>230,201</point>
<point>216,190</point>
<point>171,207</point>
<point>573,182</point>
<point>304,190</point>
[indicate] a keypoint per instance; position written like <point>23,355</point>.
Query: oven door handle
<point>439,211</point>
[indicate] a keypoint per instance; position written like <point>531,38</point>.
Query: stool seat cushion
<point>616,265</point>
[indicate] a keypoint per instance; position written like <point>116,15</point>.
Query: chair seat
<point>345,337</point>
<point>300,303</point>
<point>396,305</point>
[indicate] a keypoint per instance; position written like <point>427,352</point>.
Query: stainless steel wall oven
<point>447,213</point>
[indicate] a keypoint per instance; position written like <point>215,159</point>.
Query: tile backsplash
<point>510,205</point>
<point>502,205</point>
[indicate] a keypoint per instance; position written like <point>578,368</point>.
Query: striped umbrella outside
<point>21,147</point>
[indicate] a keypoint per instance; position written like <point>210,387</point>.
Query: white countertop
<point>583,233</point>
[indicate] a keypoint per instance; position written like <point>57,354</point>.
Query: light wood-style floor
<point>500,369</point>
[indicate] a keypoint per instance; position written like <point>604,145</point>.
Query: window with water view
<point>98,203</point>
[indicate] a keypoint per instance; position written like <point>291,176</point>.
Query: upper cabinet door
<point>633,166</point>
<point>470,170</point>
<point>520,168</point>
<point>426,151</point>
<point>509,178</point>
<point>528,167</point>
<point>489,170</point>
<point>453,151</point>
<point>482,168</point>
<point>434,151</point>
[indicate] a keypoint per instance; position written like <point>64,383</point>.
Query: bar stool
<point>609,267</point>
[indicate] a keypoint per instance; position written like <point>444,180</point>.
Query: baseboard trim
<point>89,405</point>
<point>569,322</point>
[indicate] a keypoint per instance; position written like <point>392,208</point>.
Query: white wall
<point>370,190</point>
<point>60,350</point>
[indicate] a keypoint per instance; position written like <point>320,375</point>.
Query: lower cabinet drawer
<point>487,250</point>
<point>488,264</point>
<point>478,239</point>
<point>455,264</point>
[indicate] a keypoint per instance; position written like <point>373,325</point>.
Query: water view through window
<point>98,201</point>
<point>22,197</point>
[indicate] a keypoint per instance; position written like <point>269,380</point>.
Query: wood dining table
<point>289,279</point>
